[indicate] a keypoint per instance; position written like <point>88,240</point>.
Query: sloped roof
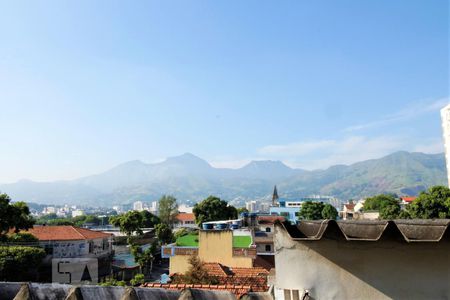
<point>350,206</point>
<point>65,233</point>
<point>237,290</point>
<point>408,199</point>
<point>269,219</point>
<point>365,230</point>
<point>185,217</point>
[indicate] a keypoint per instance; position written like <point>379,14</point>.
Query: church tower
<point>275,196</point>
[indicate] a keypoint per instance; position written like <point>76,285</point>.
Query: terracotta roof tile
<point>185,217</point>
<point>238,290</point>
<point>65,233</point>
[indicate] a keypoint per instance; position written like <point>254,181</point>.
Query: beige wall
<point>334,268</point>
<point>217,246</point>
<point>214,246</point>
<point>179,264</point>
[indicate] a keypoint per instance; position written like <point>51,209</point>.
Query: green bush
<point>113,282</point>
<point>22,238</point>
<point>138,279</point>
<point>18,263</point>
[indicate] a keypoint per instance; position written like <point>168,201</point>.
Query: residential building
<point>138,205</point>
<point>215,246</point>
<point>445,117</point>
<point>185,220</point>
<point>263,235</point>
<point>407,200</point>
<point>73,242</point>
<point>348,210</point>
<point>183,208</point>
<point>373,258</point>
<point>251,206</point>
<point>77,213</point>
<point>49,210</point>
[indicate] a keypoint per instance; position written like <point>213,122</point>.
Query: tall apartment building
<point>138,205</point>
<point>445,116</point>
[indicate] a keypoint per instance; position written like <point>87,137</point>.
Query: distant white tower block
<point>445,116</point>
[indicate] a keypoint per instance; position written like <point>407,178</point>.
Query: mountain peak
<point>266,164</point>
<point>187,159</point>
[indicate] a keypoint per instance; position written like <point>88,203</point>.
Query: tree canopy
<point>14,216</point>
<point>168,209</point>
<point>378,202</point>
<point>128,222</point>
<point>19,263</point>
<point>149,220</point>
<point>431,204</point>
<point>213,209</point>
<point>312,210</point>
<point>164,233</point>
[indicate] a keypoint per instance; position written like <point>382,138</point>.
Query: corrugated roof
<point>65,233</point>
<point>368,230</point>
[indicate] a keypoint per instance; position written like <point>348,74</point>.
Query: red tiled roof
<point>350,206</point>
<point>255,278</point>
<point>409,199</point>
<point>238,290</point>
<point>185,217</point>
<point>269,219</point>
<point>215,269</point>
<point>65,233</point>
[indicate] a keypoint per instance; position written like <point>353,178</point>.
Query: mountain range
<point>189,177</point>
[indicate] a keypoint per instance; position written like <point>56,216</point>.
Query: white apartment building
<point>138,205</point>
<point>252,206</point>
<point>445,116</point>
<point>77,213</point>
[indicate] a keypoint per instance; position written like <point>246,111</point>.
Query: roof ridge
<point>77,231</point>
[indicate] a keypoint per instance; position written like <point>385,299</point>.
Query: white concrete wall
<point>340,269</point>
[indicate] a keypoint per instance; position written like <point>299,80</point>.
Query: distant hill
<point>189,177</point>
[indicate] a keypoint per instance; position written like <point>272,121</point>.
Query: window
<point>287,294</point>
<point>284,214</point>
<point>268,229</point>
<point>268,248</point>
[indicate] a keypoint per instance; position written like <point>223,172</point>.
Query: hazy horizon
<point>85,86</point>
<point>211,164</point>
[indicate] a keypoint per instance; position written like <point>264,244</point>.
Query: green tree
<point>213,209</point>
<point>164,233</point>
<point>18,263</point>
<point>149,219</point>
<point>390,212</point>
<point>329,212</point>
<point>380,201</point>
<point>241,210</point>
<point>22,238</point>
<point>168,209</point>
<point>60,221</point>
<point>128,223</point>
<point>113,282</point>
<point>145,258</point>
<point>311,210</point>
<point>137,280</point>
<point>14,216</point>
<point>431,204</point>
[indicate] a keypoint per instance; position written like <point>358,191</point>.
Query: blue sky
<point>86,85</point>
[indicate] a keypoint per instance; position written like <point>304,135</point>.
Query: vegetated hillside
<point>191,178</point>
